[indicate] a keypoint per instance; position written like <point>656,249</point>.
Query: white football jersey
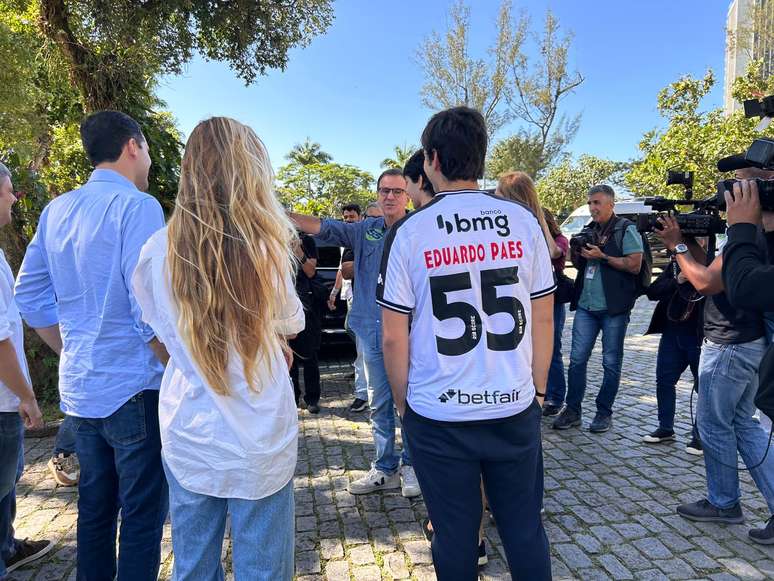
<point>466,267</point>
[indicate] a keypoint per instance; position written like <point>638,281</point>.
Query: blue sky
<point>356,89</point>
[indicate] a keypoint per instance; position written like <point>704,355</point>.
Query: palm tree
<point>402,155</point>
<point>308,152</point>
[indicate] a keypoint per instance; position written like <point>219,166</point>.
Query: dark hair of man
<point>458,136</point>
<point>415,169</point>
<point>105,133</point>
<point>352,208</point>
<point>388,172</point>
<point>602,189</point>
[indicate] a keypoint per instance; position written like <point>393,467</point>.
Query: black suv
<point>328,260</point>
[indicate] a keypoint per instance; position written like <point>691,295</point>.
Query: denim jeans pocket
<point>127,424</point>
<point>10,424</point>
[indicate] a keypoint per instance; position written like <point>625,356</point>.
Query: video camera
<point>760,155</point>
<point>704,220</point>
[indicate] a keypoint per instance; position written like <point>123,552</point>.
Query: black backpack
<point>646,269</point>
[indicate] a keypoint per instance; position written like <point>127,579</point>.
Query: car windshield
<point>574,224</point>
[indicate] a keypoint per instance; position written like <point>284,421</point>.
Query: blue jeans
<point>361,385</point>
<point>11,467</point>
<point>65,438</point>
<point>676,351</point>
<point>120,458</point>
<point>382,407</point>
<point>262,533</point>
<point>557,386</point>
<point>728,382</point>
<point>585,328</point>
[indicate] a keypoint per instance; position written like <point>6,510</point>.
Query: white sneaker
<point>373,481</point>
<point>409,485</point>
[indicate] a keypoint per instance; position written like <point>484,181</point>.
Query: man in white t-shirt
<point>18,406</point>
<point>466,289</point>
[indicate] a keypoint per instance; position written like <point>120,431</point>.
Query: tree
<point>307,153</point>
<point>695,139</point>
<point>115,49</point>
<point>507,85</point>
<point>402,155</point>
<point>564,187</point>
<point>322,188</point>
<point>538,88</point>
<point>523,151</point>
<point>453,77</point>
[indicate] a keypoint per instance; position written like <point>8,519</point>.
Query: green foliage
<point>307,153</point>
<point>693,139</point>
<point>564,186</point>
<point>320,189</point>
<point>402,155</point>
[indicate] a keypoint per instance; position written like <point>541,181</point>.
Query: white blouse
<point>243,445</point>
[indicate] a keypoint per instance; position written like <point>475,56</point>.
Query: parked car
<point>329,258</point>
<point>581,216</point>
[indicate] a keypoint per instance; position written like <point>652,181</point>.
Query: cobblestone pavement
<point>610,500</point>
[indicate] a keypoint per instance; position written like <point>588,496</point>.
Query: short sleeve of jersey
<point>543,282</point>
<point>394,289</point>
<point>632,242</point>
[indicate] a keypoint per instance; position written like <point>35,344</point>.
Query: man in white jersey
<point>470,274</point>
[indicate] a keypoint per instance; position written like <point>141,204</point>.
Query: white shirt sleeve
<point>292,319</point>
<point>394,289</point>
<point>543,282</point>
<point>6,296</point>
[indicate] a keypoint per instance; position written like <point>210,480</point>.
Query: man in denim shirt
<point>74,290</point>
<point>366,239</point>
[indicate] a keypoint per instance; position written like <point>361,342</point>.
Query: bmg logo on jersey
<point>489,220</point>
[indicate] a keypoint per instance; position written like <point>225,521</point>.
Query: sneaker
<point>600,424</point>
<point>694,447</point>
<point>409,485</point>
<point>373,481</point>
<point>764,536</point>
<point>313,408</point>
<point>658,436</point>
<point>65,469</point>
<point>550,410</point>
<point>566,420</point>
<point>704,511</point>
<point>482,558</point>
<point>26,552</point>
<point>358,405</point>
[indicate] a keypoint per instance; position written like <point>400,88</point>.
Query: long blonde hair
<point>518,186</point>
<point>229,250</point>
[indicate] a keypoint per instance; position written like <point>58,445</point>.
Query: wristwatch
<point>681,248</point>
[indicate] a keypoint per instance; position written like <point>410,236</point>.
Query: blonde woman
<point>519,186</point>
<point>217,287</point>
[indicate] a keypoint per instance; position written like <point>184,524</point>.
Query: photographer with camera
<point>677,317</point>
<point>732,349</point>
<point>608,255</point>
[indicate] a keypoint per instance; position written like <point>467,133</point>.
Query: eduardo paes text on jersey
<point>488,220</point>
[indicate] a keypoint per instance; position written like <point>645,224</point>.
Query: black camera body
<point>586,236</point>
<point>704,220</point>
<point>765,193</point>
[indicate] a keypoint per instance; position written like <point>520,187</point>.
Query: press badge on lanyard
<point>591,270</point>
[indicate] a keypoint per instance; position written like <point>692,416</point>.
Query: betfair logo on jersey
<point>488,220</point>
<point>486,397</point>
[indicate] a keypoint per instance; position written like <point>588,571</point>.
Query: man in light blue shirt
<point>366,239</point>
<point>74,289</point>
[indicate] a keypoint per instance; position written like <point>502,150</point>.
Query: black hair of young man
<point>415,168</point>
<point>105,133</point>
<point>458,136</point>
<point>352,208</point>
<point>388,172</point>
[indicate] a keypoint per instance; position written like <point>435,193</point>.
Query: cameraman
<point>605,290</point>
<point>732,349</point>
